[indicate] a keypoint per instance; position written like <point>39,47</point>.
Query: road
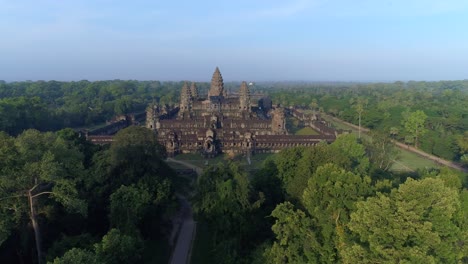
<point>187,226</point>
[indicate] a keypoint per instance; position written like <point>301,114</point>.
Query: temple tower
<point>152,116</point>
<point>194,91</point>
<point>244,97</point>
<point>185,100</point>
<point>278,122</point>
<point>217,84</point>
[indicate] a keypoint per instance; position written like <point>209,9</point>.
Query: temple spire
<point>194,91</point>
<point>244,97</point>
<point>185,98</point>
<point>217,84</point>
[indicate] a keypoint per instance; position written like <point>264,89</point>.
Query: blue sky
<point>253,40</point>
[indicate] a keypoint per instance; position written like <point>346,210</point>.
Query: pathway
<point>187,226</point>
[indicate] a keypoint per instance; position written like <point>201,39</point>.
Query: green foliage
<point>77,256</point>
<point>43,164</point>
<point>295,238</point>
<point>414,124</point>
<point>329,198</point>
<point>224,200</point>
<point>65,243</point>
<point>354,151</point>
<point>443,102</point>
<point>116,248</point>
<point>127,206</point>
<point>54,105</point>
<point>381,151</point>
<point>49,169</point>
<point>296,165</point>
<point>413,224</point>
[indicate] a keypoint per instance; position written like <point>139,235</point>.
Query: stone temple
<point>220,123</point>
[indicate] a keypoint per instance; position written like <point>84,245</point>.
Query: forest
<point>386,107</point>
<point>392,108</point>
<point>64,200</point>
<point>67,201</point>
<point>333,204</point>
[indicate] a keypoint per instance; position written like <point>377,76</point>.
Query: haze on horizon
<point>264,40</point>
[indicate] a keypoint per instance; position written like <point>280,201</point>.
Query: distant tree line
<point>52,105</point>
<point>387,107</point>
<point>430,115</point>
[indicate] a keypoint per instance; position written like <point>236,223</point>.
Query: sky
<point>252,40</point>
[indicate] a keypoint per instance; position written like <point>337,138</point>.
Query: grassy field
<point>306,131</point>
<point>407,161</point>
<point>197,160</point>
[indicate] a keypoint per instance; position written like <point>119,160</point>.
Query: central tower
<point>217,84</point>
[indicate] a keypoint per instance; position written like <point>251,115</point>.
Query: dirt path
<point>421,153</point>
<point>187,226</point>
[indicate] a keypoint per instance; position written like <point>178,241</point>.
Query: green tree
<point>134,154</point>
<point>415,223</point>
<point>359,104</point>
<point>116,248</point>
<point>353,151</point>
<point>44,165</point>
<point>295,241</point>
<point>462,142</point>
<point>127,207</point>
<point>329,199</point>
<point>381,151</point>
<point>77,256</point>
<point>414,124</point>
<point>225,201</point>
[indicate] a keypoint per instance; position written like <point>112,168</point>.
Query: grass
<point>306,131</point>
<point>409,161</point>
<point>197,160</point>
<point>176,166</point>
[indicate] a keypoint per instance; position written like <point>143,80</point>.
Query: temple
<point>220,123</point>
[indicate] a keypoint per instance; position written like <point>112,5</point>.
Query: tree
<point>225,201</point>
<point>116,248</point>
<point>77,256</point>
<point>462,142</point>
<point>317,234</point>
<point>394,132</point>
<point>329,199</point>
<point>353,151</point>
<point>134,154</point>
<point>127,206</point>
<point>359,104</point>
<point>295,237</point>
<point>44,165</point>
<point>415,223</point>
<point>381,151</point>
<point>414,124</point>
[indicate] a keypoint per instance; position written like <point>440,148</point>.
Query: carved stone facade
<point>222,124</point>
